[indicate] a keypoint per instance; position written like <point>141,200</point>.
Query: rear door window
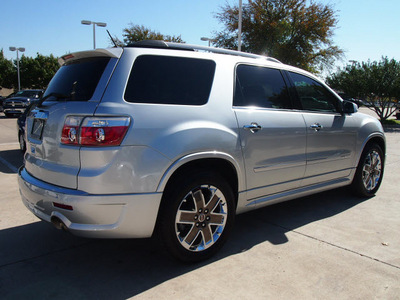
<point>260,87</point>
<point>170,80</point>
<point>78,80</point>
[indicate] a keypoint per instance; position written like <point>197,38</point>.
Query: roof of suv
<point>156,44</point>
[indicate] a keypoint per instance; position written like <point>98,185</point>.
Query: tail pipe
<point>58,223</point>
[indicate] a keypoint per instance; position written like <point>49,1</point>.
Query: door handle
<point>253,127</point>
<point>316,126</point>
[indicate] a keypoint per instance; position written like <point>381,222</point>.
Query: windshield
<point>78,79</point>
<point>28,94</point>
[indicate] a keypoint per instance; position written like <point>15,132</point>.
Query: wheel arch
<point>378,139</point>
<point>220,163</point>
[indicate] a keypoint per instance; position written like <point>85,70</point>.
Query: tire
<point>197,216</point>
<point>22,144</point>
<point>369,172</point>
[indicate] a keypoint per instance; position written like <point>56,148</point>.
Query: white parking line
<point>7,164</point>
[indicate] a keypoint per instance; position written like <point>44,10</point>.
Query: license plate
<point>37,128</point>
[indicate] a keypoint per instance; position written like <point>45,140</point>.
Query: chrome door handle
<point>253,127</point>
<point>316,126</point>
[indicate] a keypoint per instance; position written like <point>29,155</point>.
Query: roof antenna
<point>109,34</point>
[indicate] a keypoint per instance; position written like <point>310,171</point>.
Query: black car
<point>21,126</point>
<point>1,103</point>
<point>17,104</point>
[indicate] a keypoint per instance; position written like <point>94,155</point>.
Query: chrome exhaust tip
<point>58,223</point>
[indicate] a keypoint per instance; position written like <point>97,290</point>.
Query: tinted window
<point>28,94</point>
<point>170,80</point>
<point>262,87</point>
<point>78,79</point>
<point>313,95</point>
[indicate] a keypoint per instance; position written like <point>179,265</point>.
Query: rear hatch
<point>75,91</point>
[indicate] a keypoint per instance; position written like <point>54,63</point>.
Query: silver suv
<point>176,139</point>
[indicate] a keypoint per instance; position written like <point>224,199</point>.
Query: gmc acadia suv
<point>176,139</point>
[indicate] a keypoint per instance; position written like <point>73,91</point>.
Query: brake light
<point>70,130</point>
<point>94,131</point>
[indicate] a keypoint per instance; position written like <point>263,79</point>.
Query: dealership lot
<point>330,245</point>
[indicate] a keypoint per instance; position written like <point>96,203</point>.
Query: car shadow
<point>10,161</point>
<point>54,264</point>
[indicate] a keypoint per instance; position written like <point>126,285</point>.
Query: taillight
<point>70,130</point>
<point>94,131</point>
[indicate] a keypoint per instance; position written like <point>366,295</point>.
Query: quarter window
<point>313,95</point>
<point>170,80</point>
<point>261,87</point>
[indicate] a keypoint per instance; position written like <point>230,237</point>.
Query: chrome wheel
<point>372,170</point>
<point>201,218</point>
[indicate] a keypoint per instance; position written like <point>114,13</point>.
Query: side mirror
<point>349,107</point>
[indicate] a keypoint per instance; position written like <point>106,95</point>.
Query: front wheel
<point>197,216</point>
<point>22,144</point>
<point>369,171</point>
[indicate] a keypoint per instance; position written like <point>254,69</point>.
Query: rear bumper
<point>95,216</point>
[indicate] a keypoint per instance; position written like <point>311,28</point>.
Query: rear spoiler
<point>109,52</point>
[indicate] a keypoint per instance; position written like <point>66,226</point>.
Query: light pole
<point>22,50</point>
<point>205,39</point>
<point>240,27</point>
<point>101,24</point>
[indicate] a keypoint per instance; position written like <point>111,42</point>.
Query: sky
<point>366,29</point>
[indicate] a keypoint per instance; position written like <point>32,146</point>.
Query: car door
<point>272,134</point>
<point>331,135</point>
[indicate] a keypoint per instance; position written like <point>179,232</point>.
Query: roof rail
<point>187,47</point>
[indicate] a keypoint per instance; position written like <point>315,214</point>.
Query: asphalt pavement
<point>326,246</point>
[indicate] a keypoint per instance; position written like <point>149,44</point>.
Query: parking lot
<point>330,245</point>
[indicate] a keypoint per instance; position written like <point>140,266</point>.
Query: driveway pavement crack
<point>334,245</point>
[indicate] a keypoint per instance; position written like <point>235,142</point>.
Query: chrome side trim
<point>300,192</point>
<point>279,166</point>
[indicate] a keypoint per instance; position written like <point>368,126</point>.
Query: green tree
<point>377,83</point>
<point>136,33</point>
<point>6,72</point>
<point>37,72</point>
<point>297,32</point>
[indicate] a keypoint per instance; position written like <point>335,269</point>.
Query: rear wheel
<point>369,172</point>
<point>197,216</point>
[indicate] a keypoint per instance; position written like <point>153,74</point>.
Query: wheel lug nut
<point>204,224</point>
<point>200,210</point>
<point>206,211</point>
<point>208,218</point>
<point>196,217</point>
<point>197,224</point>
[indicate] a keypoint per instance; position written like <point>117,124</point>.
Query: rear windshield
<point>78,79</point>
<point>170,80</point>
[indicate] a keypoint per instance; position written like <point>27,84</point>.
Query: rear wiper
<point>55,95</point>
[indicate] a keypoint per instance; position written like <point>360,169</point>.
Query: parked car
<point>346,97</point>
<point>397,114</point>
<point>17,104</point>
<point>21,121</point>
<point>175,140</point>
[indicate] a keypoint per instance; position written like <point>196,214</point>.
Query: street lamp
<point>240,27</point>
<point>22,50</point>
<point>101,24</point>
<point>205,39</point>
